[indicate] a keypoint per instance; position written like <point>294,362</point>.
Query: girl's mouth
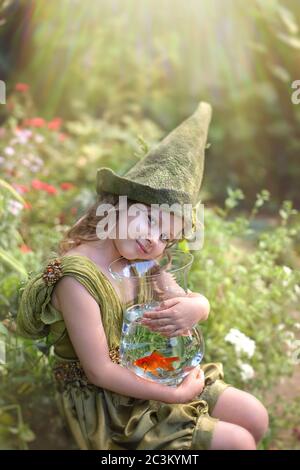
<point>141,247</point>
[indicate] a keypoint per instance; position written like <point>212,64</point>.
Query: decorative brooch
<point>52,272</point>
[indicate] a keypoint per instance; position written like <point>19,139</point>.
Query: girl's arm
<point>82,317</point>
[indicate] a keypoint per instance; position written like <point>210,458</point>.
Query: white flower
<point>287,270</point>
<point>209,263</point>
<point>281,327</point>
<point>9,151</point>
<point>297,326</point>
<point>241,342</point>
<point>289,340</point>
<point>246,370</point>
<point>297,289</point>
<point>34,168</point>
<point>38,161</point>
<point>289,334</point>
<point>295,354</point>
<point>14,207</point>
<point>39,138</point>
<point>259,285</point>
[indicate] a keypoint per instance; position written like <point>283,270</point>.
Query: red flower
<point>55,124</point>
<point>27,205</point>
<point>21,188</point>
<point>41,186</point>
<point>74,210</point>
<point>37,184</point>
<point>22,87</point>
<point>67,186</point>
<point>25,248</point>
<point>35,122</point>
<point>50,189</point>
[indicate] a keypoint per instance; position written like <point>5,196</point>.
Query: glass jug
<point>144,284</point>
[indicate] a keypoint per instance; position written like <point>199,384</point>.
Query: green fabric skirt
<point>100,419</point>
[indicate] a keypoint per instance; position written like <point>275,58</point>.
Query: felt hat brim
<point>109,181</point>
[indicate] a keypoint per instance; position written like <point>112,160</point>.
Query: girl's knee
<point>241,439</point>
<point>243,409</point>
<point>229,436</point>
<point>260,420</point>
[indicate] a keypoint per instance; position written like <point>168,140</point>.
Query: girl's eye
<point>152,221</point>
<point>165,237</point>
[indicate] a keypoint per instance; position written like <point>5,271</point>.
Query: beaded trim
<point>66,373</point>
<point>114,354</point>
<point>72,372</point>
<point>52,272</point>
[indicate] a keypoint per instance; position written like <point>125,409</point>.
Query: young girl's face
<point>147,235</point>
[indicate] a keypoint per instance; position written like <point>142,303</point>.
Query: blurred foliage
<point>16,32</point>
<point>158,58</point>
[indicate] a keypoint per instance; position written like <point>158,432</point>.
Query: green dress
<point>98,418</point>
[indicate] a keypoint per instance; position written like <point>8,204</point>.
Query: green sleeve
<point>36,313</point>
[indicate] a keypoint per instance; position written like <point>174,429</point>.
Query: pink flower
<point>9,151</point>
<point>62,136</point>
<point>25,248</point>
<point>22,87</point>
<point>23,135</point>
<point>21,188</point>
<point>14,207</point>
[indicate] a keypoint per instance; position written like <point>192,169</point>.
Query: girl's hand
<point>191,386</point>
<point>177,315</point>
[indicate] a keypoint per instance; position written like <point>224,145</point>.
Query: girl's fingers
<point>166,328</point>
<point>169,302</point>
<point>156,322</point>
<point>154,315</point>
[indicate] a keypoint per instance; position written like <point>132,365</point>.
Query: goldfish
<point>156,361</point>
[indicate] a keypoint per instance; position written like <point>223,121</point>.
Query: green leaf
<point>26,434</point>
<point>3,330</point>
<point>281,73</point>
<point>12,262</point>
<point>289,40</point>
<point>13,192</point>
<point>288,19</point>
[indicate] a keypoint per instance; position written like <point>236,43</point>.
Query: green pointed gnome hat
<point>172,171</point>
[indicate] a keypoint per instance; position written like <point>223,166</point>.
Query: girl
<point>75,302</point>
